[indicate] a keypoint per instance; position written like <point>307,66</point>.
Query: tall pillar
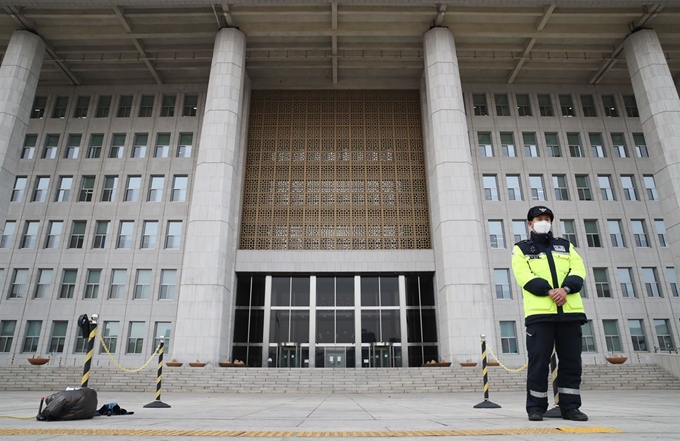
<point>464,304</point>
<point>205,305</point>
<point>659,108</point>
<point>19,75</point>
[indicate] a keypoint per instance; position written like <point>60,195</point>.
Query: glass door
<point>335,358</point>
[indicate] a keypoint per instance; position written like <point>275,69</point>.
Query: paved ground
<point>649,415</point>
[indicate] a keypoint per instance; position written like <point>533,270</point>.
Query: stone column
<point>19,76</point>
<point>204,323</point>
<point>659,107</point>
<point>463,293</point>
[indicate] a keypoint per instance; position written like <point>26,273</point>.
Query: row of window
<point>636,327</point>
<point>80,106</point>
<point>603,288</point>
<point>57,339</point>
<point>537,190</point>
<point>100,235</point>
<point>20,283</point>
<point>589,105</point>
<point>553,146</point>
<point>109,190</point>
<point>139,149</point>
<point>567,227</point>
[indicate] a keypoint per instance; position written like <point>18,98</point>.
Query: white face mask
<point>541,227</point>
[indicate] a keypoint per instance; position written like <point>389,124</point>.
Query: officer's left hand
<point>559,296</point>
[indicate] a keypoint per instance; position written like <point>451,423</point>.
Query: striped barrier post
<point>89,328</point>
<point>157,403</point>
<point>555,412</point>
<point>486,404</point>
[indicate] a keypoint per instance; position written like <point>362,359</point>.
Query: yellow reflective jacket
<point>544,262</point>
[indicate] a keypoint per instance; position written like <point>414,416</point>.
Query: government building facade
<point>322,184</point>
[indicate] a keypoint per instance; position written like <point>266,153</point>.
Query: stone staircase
<point>321,381</point>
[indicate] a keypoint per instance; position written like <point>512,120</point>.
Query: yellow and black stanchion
<point>555,412</point>
<point>486,404</point>
<point>89,328</point>
<point>157,403</point>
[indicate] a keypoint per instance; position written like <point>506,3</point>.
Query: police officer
<point>551,275</point>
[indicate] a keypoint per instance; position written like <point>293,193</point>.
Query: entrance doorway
<point>381,355</point>
<point>335,358</point>
<point>289,355</point>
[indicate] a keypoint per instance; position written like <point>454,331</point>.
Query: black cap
<point>539,210</point>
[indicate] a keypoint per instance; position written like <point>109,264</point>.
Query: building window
<point>124,106</point>
<point>602,282</point>
<point>619,145</point>
<point>567,106</point>
<point>501,278</point>
<point>38,109</point>
<point>117,146</point>
<point>537,187</point>
<point>640,145</point>
<point>628,185</point>
<point>530,147</point>
<point>575,146</point>
<point>162,328</point>
<point>101,233</point>
<point>125,234</point>
<point>60,105</point>
<point>587,337</point>
<point>509,338</point>
<point>77,234</point>
<point>19,189</point>
<point>190,106</point>
<point>30,234</point>
<point>592,233</point>
<point>626,282</point>
<point>132,191</point>
<point>168,283</point>
<point>156,188</point>
<point>545,105</point>
<point>496,236</point>
<point>561,190</point>
<point>637,335</point>
<point>514,187</point>
<point>51,145</point>
<point>42,184</point>
<point>490,187</point>
<point>28,150</point>
<point>651,281</point>
<point>86,189</point>
<point>82,104</point>
<point>672,277</point>
<point>616,233</point>
<point>502,104</point>
<point>80,345</point>
<point>139,147</point>
<point>186,141</point>
<point>168,105</point>
<point>663,335</point>
<point>640,233</point>
<point>606,190</point>
<point>64,189</point>
<point>32,337</point>
<point>631,106</point>
<point>174,235</point>
<point>143,284</point>
<point>650,187</point>
<point>58,337</point>
<point>73,146</point>
<point>110,336</point>
<point>179,188</point>
<point>479,104</point>
<point>162,145</point>
<point>523,105</point>
<point>611,335</point>
<point>588,106</point>
<point>135,338</point>
<point>583,188</point>
<point>110,189</point>
<point>42,288</point>
<point>103,106</point>
<point>8,234</point>
<point>92,284</point>
<point>597,145</point>
<point>118,280</point>
<point>149,234</point>
<point>146,106</point>
<point>609,103</point>
<point>54,234</point>
<point>7,328</point>
<point>508,145</point>
<point>68,284</point>
<point>660,227</point>
<point>553,145</point>
<point>94,150</point>
<point>17,288</point>
<point>519,230</point>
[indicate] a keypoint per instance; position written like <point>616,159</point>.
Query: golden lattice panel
<point>335,170</point>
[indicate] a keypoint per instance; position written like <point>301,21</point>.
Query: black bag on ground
<point>80,404</point>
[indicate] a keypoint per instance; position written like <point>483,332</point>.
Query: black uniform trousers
<point>565,336</point>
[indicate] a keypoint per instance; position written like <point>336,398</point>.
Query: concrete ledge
<point>669,362</point>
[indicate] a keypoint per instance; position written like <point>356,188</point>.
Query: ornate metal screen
<point>335,170</point>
